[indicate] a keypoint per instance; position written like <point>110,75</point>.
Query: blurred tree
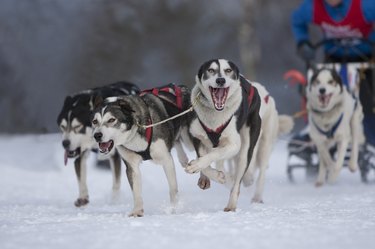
<point>248,39</point>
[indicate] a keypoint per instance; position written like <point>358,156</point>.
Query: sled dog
<point>235,119</point>
<point>335,119</point>
<point>125,123</point>
<point>75,123</point>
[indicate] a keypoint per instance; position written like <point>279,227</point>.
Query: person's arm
<point>368,9</point>
<point>301,18</point>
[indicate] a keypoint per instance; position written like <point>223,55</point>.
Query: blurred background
<point>52,48</point>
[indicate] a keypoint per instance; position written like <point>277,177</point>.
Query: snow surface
<point>37,194</point>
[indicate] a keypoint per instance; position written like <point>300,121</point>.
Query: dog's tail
<point>286,124</point>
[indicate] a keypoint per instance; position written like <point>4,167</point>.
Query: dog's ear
<point>314,69</point>
<point>337,78</point>
<point>236,71</point>
<point>98,100</point>
<point>68,100</point>
<point>125,106</point>
<point>314,75</point>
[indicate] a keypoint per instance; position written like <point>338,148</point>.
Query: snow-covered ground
<point>37,194</point>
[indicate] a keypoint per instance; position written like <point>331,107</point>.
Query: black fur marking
<point>117,165</point>
<point>80,105</point>
<point>336,77</point>
<point>236,71</point>
<point>203,69</point>
<point>203,74</point>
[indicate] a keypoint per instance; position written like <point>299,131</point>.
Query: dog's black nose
<point>65,143</point>
<point>98,136</point>
<point>220,81</point>
<point>322,90</point>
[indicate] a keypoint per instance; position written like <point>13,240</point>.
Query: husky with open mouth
<point>335,119</point>
<point>74,121</point>
<point>127,124</point>
<point>236,121</point>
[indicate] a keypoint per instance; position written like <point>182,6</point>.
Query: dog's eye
<point>331,82</point>
<point>111,120</point>
<point>77,128</point>
<point>210,70</point>
<point>228,70</point>
<point>95,122</point>
<point>63,127</point>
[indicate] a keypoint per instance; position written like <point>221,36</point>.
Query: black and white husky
<point>126,123</point>
<point>74,121</point>
<point>235,120</point>
<point>335,118</point>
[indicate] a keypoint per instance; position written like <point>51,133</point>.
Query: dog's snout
<point>98,136</point>
<point>322,90</point>
<point>65,143</point>
<point>220,81</point>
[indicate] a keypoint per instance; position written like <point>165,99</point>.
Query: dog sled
<point>359,78</point>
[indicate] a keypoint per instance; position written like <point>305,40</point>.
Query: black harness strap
<point>171,89</point>
<point>214,135</point>
<point>248,93</point>
<point>146,153</point>
<point>330,133</point>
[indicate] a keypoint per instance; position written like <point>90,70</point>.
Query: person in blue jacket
<point>338,19</point>
<point>350,21</point>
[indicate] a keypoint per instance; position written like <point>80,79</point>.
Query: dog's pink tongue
<point>65,158</point>
<point>220,94</point>
<point>220,97</point>
<point>104,146</point>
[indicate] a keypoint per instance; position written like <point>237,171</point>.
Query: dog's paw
<point>204,182</point>
<point>193,167</point>
<point>229,209</point>
<point>221,178</point>
<point>353,166</point>
<point>80,202</point>
<point>136,213</point>
<point>318,184</point>
<point>333,175</point>
<point>257,199</point>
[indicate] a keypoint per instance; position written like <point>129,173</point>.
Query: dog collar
<point>330,133</point>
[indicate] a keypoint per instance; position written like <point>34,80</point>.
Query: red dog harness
<point>160,92</point>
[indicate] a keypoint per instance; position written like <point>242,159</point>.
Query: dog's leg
<point>342,147</point>
<point>357,137</point>
<point>133,174</point>
<point>263,153</point>
<point>324,163</point>
<point>248,177</point>
<point>161,155</point>
<point>115,162</point>
<point>245,158</point>
<point>208,173</point>
<point>181,155</point>
<point>80,169</point>
<point>240,171</point>
<point>227,148</point>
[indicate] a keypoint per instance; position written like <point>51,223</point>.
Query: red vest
<point>351,26</point>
